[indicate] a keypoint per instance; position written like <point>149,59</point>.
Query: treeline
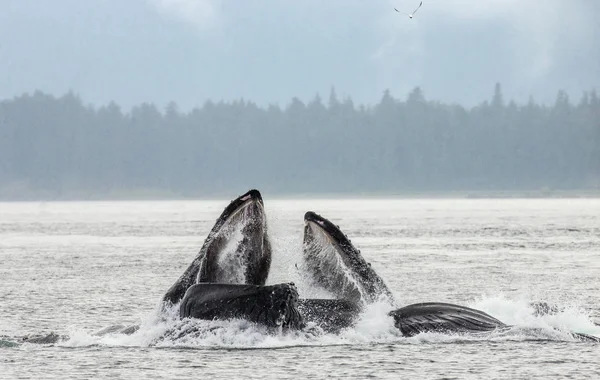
<point>61,146</point>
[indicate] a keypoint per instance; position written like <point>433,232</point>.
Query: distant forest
<point>58,147</point>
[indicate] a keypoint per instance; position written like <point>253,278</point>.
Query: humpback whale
<point>337,266</point>
<point>248,262</point>
<point>332,263</point>
<point>237,250</point>
<point>227,278</point>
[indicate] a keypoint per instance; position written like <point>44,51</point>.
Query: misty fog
<point>199,97</point>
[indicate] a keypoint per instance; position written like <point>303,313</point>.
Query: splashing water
<point>374,326</point>
<point>230,260</point>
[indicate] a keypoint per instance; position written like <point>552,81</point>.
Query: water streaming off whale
<point>231,263</point>
<point>327,266</point>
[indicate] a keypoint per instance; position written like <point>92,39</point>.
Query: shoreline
<point>147,195</point>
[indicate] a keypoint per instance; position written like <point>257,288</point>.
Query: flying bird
<point>411,14</point>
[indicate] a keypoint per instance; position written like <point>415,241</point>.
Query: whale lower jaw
<point>269,305</point>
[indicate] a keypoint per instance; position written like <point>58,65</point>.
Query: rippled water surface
<point>74,268</point>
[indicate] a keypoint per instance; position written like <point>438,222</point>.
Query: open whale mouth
<point>241,212</point>
<point>241,204</point>
<point>336,265</point>
<point>245,207</point>
<point>326,259</point>
<point>237,249</point>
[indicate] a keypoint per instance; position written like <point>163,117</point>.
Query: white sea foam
<point>374,326</point>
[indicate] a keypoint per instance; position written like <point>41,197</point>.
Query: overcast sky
<point>269,51</point>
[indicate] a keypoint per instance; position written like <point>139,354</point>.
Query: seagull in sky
<point>411,14</point>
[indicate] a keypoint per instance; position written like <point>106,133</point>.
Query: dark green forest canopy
<point>57,147</point>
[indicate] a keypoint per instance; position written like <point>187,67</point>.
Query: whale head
<point>332,262</point>
<point>236,251</point>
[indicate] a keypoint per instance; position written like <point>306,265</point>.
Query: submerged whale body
<point>331,315</point>
<point>52,337</point>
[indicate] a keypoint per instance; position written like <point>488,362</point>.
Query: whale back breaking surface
<point>236,251</point>
<point>333,263</point>
<point>442,317</point>
<point>447,318</point>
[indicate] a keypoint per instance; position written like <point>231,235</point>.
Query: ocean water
<point>75,267</point>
